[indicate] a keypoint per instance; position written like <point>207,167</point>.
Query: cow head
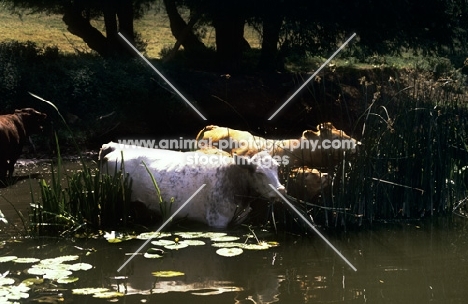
<point>306,179</point>
<point>106,149</point>
<point>32,120</point>
<point>328,131</point>
<point>264,169</point>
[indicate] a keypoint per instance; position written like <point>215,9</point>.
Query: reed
<point>86,198</point>
<point>414,148</point>
<point>164,206</point>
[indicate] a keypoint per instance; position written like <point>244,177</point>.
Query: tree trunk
<point>181,31</point>
<point>118,17</point>
<point>78,25</point>
<point>271,30</point>
<point>230,42</point>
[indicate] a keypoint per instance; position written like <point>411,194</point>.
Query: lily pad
<point>191,235</point>
<point>192,242</point>
<point>261,246</point>
<point>26,260</point>
<point>80,266</point>
<point>229,252</point>
<point>162,242</point>
<point>67,258</point>
<point>6,281</point>
<point>211,235</point>
<point>167,274</point>
<point>176,246</point>
<point>108,295</point>
<point>32,281</point>
<point>88,291</point>
<point>227,244</point>
<point>225,238</point>
<point>152,235</point>
<point>152,255</point>
<point>55,275</point>
<point>7,258</point>
<point>67,280</point>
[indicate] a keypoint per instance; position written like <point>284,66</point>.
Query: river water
<point>417,261</point>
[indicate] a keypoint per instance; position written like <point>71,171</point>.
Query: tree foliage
<point>298,27</point>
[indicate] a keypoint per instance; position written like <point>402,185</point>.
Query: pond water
<point>397,262</point>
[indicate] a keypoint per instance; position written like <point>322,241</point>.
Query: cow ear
<point>106,149</point>
<point>326,128</point>
<point>307,134</point>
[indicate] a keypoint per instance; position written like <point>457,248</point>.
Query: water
<point>398,262</point>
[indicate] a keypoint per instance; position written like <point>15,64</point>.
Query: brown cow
<point>306,183</point>
<point>14,129</point>
<point>318,149</point>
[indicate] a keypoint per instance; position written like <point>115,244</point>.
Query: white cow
<point>230,182</point>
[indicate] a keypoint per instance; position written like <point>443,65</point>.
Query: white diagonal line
<point>313,75</point>
<point>313,228</point>
<point>162,76</point>
<point>160,228</point>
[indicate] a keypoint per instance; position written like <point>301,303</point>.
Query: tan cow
<point>316,149</point>
<point>306,183</point>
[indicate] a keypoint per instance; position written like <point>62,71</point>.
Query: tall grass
<point>87,198</point>
<point>414,135</point>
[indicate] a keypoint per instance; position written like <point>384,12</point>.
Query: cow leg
<point>3,171</point>
<point>10,168</point>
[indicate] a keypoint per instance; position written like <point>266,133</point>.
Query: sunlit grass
<point>50,30</point>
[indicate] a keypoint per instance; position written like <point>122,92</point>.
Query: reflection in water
<point>400,262</point>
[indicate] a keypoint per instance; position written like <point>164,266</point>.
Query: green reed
<point>85,198</point>
<point>414,137</point>
<point>164,206</point>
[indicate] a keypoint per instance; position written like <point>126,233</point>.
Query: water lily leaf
<point>229,252</point>
<point>32,281</point>
<point>108,295</point>
<point>67,280</point>
<point>162,242</point>
<point>152,255</point>
<point>191,235</point>
<point>7,258</point>
<point>225,238</point>
<point>15,292</point>
<point>55,275</point>
<point>88,291</point>
<point>6,281</point>
<point>176,246</point>
<point>26,260</point>
<point>67,258</point>
<point>152,235</point>
<point>80,266</point>
<point>211,235</point>
<point>227,244</point>
<point>192,242</point>
<point>155,251</point>
<point>47,262</point>
<point>37,271</point>
<point>261,246</point>
<point>167,274</point>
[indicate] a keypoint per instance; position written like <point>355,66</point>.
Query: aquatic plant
<point>414,144</point>
<point>164,206</point>
<point>87,198</point>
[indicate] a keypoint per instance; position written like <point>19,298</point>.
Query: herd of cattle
<point>225,187</point>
